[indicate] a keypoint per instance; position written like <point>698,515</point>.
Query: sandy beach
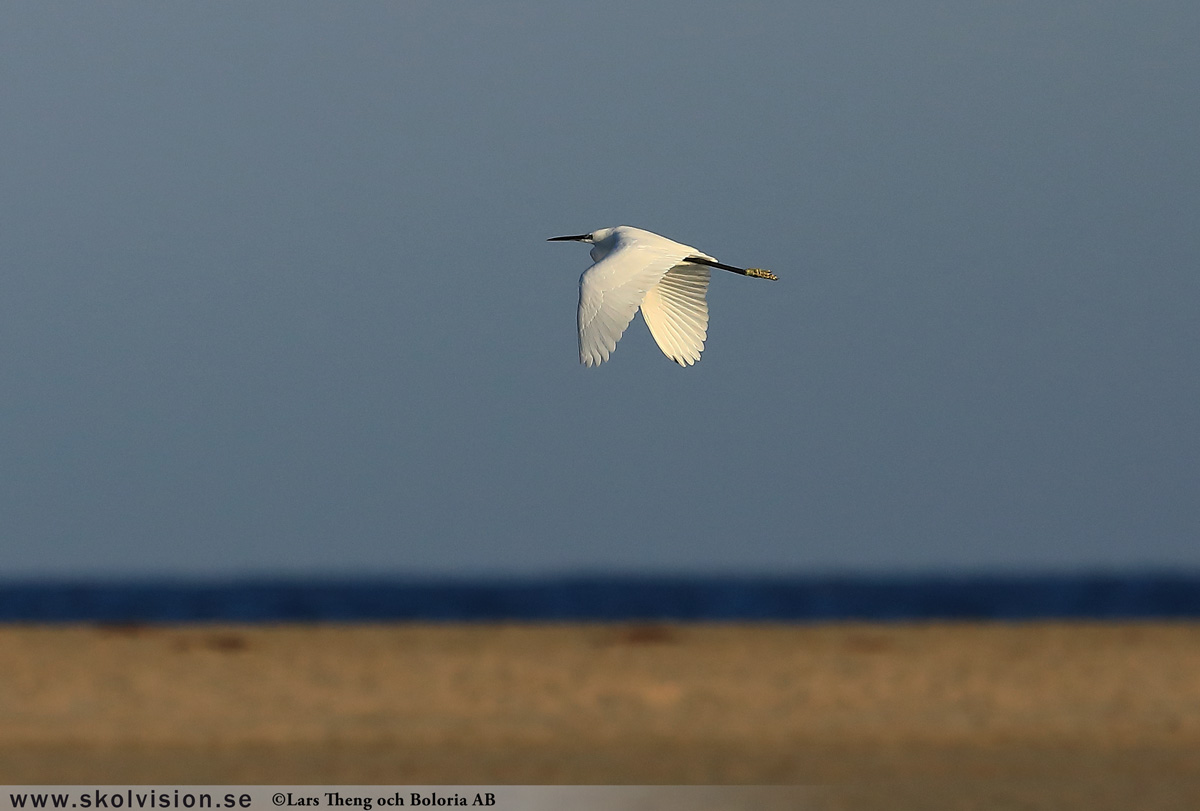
<point>1078,715</point>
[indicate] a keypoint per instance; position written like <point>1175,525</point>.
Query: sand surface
<point>897,716</point>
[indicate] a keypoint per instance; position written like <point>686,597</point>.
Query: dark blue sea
<point>609,599</point>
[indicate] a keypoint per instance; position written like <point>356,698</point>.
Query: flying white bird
<point>667,279</point>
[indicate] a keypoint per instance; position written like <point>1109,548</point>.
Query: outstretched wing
<point>610,292</point>
<point>677,313</point>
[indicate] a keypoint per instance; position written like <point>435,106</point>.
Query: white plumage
<point>666,279</point>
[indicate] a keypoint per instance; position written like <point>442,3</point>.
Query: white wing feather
<point>676,312</point>
<point>611,291</point>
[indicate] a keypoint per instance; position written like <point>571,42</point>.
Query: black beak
<point>579,238</point>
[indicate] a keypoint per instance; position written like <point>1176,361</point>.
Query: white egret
<point>667,279</point>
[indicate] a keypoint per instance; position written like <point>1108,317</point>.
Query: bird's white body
<point>666,279</point>
<point>635,268</point>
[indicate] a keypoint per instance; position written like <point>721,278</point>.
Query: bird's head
<point>597,236</point>
<point>602,240</point>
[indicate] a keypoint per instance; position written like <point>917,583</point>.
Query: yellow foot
<point>759,273</point>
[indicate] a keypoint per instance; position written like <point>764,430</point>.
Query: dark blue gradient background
<point>275,300</point>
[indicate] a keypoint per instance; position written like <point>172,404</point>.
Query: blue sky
<point>274,295</point>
